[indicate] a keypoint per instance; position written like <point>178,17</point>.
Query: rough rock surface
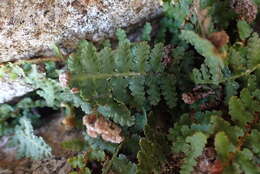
<point>12,88</point>
<point>29,27</point>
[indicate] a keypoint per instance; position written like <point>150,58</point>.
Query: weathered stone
<point>12,88</point>
<point>29,27</point>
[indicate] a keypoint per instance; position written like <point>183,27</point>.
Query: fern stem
<point>246,73</point>
<point>35,61</point>
<point>109,75</point>
<point>109,165</point>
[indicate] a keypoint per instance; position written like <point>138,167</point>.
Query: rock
<point>51,166</point>
<point>29,27</point>
<point>12,88</point>
<point>5,171</point>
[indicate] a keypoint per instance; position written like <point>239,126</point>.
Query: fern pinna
<point>112,80</point>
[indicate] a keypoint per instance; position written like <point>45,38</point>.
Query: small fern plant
<point>234,140</point>
<point>27,143</point>
<point>133,75</point>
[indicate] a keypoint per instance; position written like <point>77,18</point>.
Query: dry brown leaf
<point>219,39</point>
<point>99,126</point>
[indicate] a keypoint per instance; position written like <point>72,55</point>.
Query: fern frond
<point>76,100</point>
<point>77,161</point>
<point>74,145</point>
<point>136,85</point>
<point>152,152</point>
<point>167,84</point>
<point>129,78</point>
<point>253,51</point>
<point>223,146</point>
<point>243,109</point>
<point>231,88</point>
<point>99,144</point>
<point>28,144</point>
<point>119,113</point>
<point>122,165</point>
<point>154,63</point>
<point>154,93</point>
<point>253,140</point>
<point>245,159</point>
<point>150,157</point>
<point>244,29</point>
<point>197,143</point>
<point>206,49</point>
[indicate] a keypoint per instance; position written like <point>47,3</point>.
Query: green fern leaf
<point>206,49</point>
<point>167,84</point>
<point>223,146</point>
<point>253,141</point>
<point>76,100</point>
<point>197,143</point>
<point>154,64</point>
<point>244,29</point>
<point>245,161</point>
<point>149,157</point>
<point>49,90</point>
<point>201,76</point>
<point>238,111</point>
<point>29,145</point>
<point>95,155</point>
<point>237,59</point>
<point>141,54</point>
<point>123,57</point>
<point>221,125</point>
<point>152,152</point>
<point>252,82</point>
<point>253,56</point>
<point>74,145</point>
<point>110,88</point>
<point>6,111</point>
<point>80,161</point>
<point>231,88</point>
<point>136,85</point>
<point>77,161</point>
<point>146,32</point>
<point>242,110</point>
<point>119,89</point>
<point>89,55</point>
<point>106,59</point>
<point>154,93</point>
<point>122,165</point>
<point>99,144</point>
<point>119,113</point>
<point>121,36</point>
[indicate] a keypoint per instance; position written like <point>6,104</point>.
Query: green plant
<point>28,144</point>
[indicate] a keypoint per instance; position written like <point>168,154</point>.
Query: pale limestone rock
<point>12,88</point>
